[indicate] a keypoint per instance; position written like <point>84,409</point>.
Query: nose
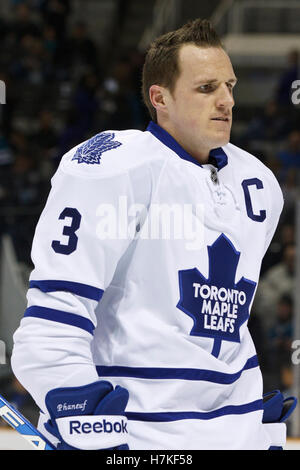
<point>224,98</point>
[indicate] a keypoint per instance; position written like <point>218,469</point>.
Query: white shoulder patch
<point>107,153</point>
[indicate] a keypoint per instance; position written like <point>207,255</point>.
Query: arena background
<point>72,68</point>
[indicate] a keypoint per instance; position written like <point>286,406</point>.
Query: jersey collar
<point>217,157</point>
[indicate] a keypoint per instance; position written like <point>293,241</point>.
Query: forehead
<point>209,63</point>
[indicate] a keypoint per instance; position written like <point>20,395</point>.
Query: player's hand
<point>277,409</point>
<point>90,417</point>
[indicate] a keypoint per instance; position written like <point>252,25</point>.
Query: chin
<point>224,138</point>
<point>221,142</point>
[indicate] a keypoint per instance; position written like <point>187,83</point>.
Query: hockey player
<point>147,257</point>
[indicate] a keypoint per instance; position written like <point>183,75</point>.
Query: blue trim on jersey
<point>220,157</point>
<point>256,405</point>
<point>216,347</point>
<point>60,317</point>
<point>83,290</point>
<point>217,156</point>
<point>175,373</point>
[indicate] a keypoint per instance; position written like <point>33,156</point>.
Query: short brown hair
<point>161,62</point>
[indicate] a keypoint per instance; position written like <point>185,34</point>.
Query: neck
<point>201,154</point>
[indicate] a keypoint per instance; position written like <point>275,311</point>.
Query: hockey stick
<point>15,419</point>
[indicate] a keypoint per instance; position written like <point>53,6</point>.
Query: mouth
<point>221,118</point>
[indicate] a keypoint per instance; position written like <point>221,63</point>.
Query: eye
<point>207,88</point>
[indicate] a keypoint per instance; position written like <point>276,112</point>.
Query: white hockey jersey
<point>146,266</point>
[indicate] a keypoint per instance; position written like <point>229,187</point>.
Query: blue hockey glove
<point>277,409</point>
<point>90,417</point>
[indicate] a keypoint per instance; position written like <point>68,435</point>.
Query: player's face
<point>199,111</point>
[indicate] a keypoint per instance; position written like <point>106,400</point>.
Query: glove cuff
<point>277,433</point>
<point>93,432</point>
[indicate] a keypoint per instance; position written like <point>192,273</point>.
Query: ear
<point>158,99</point>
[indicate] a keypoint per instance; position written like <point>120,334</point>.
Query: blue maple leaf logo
<point>218,305</point>
<point>90,152</point>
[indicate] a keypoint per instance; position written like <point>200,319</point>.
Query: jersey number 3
<point>69,231</point>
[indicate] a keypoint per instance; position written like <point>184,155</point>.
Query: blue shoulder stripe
<point>60,317</point>
<point>77,288</point>
<point>175,373</point>
<point>178,415</point>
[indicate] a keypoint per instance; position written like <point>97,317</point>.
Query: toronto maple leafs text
<point>219,306</point>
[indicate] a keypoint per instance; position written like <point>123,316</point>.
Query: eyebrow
<point>214,80</point>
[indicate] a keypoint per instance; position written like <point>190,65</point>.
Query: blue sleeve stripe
<point>256,405</point>
<point>77,288</point>
<point>175,373</point>
<point>60,317</point>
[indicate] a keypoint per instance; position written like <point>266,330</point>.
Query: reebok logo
<point>76,427</point>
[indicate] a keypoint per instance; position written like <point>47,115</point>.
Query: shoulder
<point>245,160</point>
<point>110,153</point>
<point>250,166</point>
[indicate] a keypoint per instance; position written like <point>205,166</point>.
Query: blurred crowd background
<point>64,84</point>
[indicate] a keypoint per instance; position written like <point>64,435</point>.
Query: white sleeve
<point>275,207</point>
<point>74,263</point>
